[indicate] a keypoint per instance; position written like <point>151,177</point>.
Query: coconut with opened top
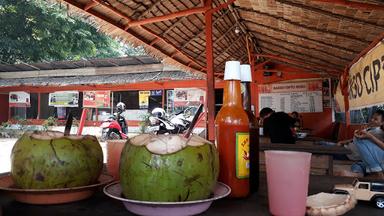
<point>168,175</point>
<point>48,167</point>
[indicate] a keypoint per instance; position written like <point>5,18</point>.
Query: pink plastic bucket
<point>114,149</point>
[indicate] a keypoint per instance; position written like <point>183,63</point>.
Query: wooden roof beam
<point>330,14</point>
<point>177,14</point>
<point>150,32</point>
<point>222,6</point>
<point>174,15</point>
<point>201,32</point>
<point>118,25</point>
<point>170,28</point>
<point>301,68</point>
<point>288,60</point>
<point>353,4</point>
<point>284,43</point>
<point>90,5</point>
<point>226,49</point>
<point>324,43</point>
<point>366,50</point>
<point>303,56</point>
<point>306,27</point>
<point>144,13</point>
<point>219,39</point>
<point>323,51</point>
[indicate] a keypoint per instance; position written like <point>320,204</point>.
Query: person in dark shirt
<point>278,126</point>
<point>297,120</point>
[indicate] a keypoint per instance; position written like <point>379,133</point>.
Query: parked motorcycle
<point>162,123</point>
<point>115,127</point>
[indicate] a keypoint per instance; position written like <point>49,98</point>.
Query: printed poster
<point>144,99</point>
<point>97,99</point>
<point>188,97</point>
<point>19,99</point>
<point>64,99</point>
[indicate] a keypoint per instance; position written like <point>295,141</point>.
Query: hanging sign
<point>144,99</point>
<point>19,99</point>
<point>289,97</point>
<point>97,99</point>
<point>366,79</point>
<point>156,92</point>
<point>188,97</point>
<point>64,99</point>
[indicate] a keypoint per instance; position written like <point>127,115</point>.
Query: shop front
<point>38,98</point>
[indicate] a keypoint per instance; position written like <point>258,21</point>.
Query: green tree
<point>34,30</point>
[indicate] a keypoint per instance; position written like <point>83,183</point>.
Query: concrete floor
<point>100,205</point>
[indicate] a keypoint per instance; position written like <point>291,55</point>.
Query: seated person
<point>278,126</point>
<point>373,128</point>
<point>371,150</point>
<point>297,120</point>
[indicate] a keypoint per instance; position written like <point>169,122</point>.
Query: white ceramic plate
<point>146,208</point>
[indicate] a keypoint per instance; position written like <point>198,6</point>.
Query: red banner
<point>97,99</point>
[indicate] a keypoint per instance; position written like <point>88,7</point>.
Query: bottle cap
<point>232,70</point>
<point>245,73</point>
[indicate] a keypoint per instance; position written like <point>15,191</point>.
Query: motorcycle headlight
<point>153,120</point>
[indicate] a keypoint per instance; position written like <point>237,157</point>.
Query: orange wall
<point>3,108</point>
<point>346,132</point>
<point>320,123</point>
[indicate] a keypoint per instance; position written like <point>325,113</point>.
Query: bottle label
<point>242,155</point>
<point>242,88</point>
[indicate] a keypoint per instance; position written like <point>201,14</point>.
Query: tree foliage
<point>34,31</point>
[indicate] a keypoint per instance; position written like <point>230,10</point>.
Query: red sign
<point>97,99</point>
<point>19,99</point>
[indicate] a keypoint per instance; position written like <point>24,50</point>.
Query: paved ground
<point>6,148</point>
<point>5,153</point>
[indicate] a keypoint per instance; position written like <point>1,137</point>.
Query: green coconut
<point>47,160</point>
<point>168,168</point>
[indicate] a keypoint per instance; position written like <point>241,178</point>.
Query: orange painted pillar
<point>82,121</point>
<point>210,100</point>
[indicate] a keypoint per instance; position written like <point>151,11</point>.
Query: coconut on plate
<point>47,160</point>
<point>168,168</point>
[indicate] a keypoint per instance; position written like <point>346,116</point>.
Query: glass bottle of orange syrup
<point>246,79</point>
<point>232,134</point>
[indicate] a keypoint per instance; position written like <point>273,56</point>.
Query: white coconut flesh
<point>50,135</point>
<point>167,144</point>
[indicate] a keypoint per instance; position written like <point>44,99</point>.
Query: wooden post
<point>38,105</point>
<point>251,61</point>
<point>210,100</point>
<point>82,121</point>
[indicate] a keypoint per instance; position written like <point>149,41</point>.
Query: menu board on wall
<point>301,97</point>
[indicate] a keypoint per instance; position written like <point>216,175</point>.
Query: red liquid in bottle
<point>232,139</point>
